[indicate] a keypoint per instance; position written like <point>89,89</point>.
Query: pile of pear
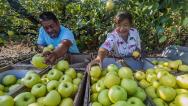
<point>171,66</point>
<point>58,87</point>
<point>113,86</point>
<point>164,88</point>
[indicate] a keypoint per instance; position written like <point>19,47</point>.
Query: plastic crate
<point>78,99</point>
<point>105,63</point>
<point>142,64</point>
<point>19,72</point>
<point>175,52</point>
<point>77,61</point>
<point>166,59</point>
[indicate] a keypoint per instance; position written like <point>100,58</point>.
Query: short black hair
<point>122,16</point>
<point>45,16</point>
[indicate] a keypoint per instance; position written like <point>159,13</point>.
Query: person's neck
<point>124,36</point>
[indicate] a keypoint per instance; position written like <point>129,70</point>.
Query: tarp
<point>175,52</point>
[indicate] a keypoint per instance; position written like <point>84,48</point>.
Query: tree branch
<point>22,11</point>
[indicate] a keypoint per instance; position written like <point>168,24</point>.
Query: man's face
<point>51,27</point>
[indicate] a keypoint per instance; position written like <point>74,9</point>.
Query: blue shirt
<point>45,39</point>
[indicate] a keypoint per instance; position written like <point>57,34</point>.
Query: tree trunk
<point>22,11</point>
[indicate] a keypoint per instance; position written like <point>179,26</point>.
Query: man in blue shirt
<point>53,33</point>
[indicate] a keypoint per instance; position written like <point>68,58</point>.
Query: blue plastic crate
<point>142,64</point>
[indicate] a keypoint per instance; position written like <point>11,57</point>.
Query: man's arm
<point>60,51</point>
<point>62,48</point>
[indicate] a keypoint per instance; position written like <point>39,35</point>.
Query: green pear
<point>130,86</point>
<point>140,93</point>
<point>182,81</point>
<point>1,87</point>
<point>111,79</point>
<point>96,104</point>
<point>151,92</point>
<point>6,100</point>
<point>94,97</point>
<point>121,103</point>
<point>183,68</point>
<point>134,101</point>
<point>168,80</point>
<point>24,99</point>
<point>67,102</point>
<point>9,80</point>
<point>144,84</point>
<point>166,93</point>
<point>100,85</point>
<point>35,104</point>
<point>40,100</point>
<point>175,64</point>
<point>53,98</point>
<point>103,98</point>
<point>181,100</point>
<point>158,102</point>
<point>181,91</point>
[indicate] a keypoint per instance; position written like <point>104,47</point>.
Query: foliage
<point>160,22</point>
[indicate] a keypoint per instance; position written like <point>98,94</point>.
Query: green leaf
<point>185,22</point>
<point>145,8</point>
<point>1,40</point>
<point>173,29</point>
<point>164,19</point>
<point>156,6</point>
<point>150,7</point>
<point>159,30</point>
<point>162,39</point>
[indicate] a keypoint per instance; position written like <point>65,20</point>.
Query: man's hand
<point>50,57</point>
<point>46,53</point>
<point>60,51</point>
